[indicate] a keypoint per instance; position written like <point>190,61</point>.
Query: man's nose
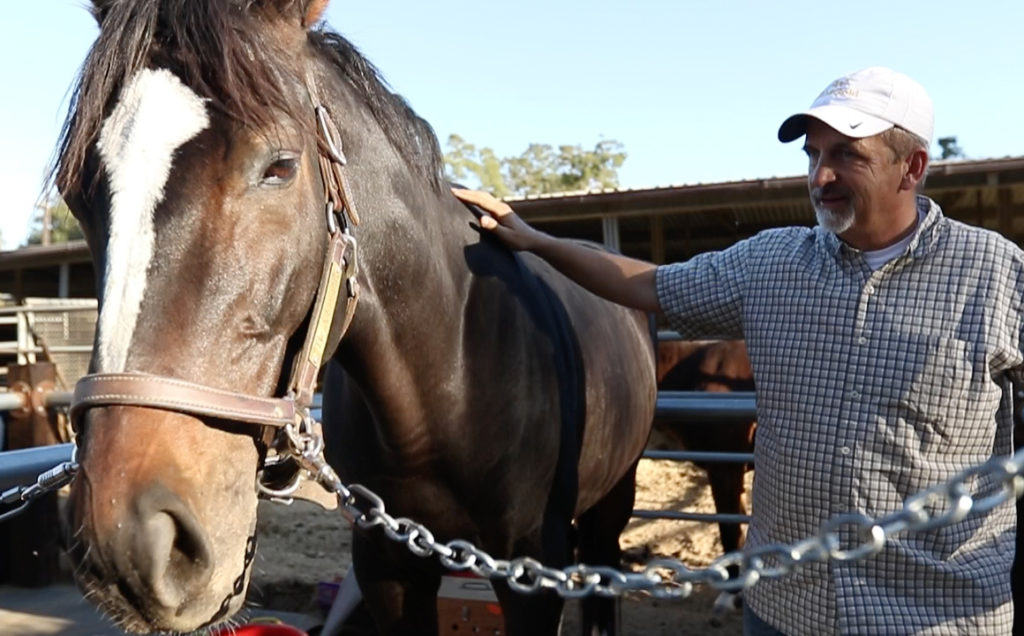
<point>821,174</point>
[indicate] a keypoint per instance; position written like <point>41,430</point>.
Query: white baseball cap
<point>867,103</point>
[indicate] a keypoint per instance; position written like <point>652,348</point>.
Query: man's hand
<point>618,278</point>
<point>501,220</point>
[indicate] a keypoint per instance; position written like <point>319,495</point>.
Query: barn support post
<point>63,280</point>
<point>30,542</point>
<point>610,233</point>
<point>658,239</point>
<point>1005,213</point>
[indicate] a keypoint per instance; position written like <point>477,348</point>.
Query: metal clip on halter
<point>332,219</point>
<point>333,148</point>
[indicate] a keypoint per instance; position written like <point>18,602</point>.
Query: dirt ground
<point>302,545</point>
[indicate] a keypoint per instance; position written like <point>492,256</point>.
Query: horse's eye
<point>281,171</point>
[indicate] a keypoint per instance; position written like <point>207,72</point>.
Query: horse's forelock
<point>219,49</point>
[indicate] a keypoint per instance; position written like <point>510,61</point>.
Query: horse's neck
<point>406,331</point>
<point>405,341</point>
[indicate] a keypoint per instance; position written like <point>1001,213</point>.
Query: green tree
<point>464,161</point>
<point>540,169</point>
<point>950,149</point>
<point>53,222</point>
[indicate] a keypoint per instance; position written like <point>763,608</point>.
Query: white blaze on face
<point>156,115</point>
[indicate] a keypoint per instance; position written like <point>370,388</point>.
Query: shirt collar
<point>925,236</point>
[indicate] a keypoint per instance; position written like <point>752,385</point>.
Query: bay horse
<point>716,366</point>
<point>216,154</point>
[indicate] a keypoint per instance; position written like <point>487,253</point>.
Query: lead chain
<point>669,578</point>
<point>660,578</point>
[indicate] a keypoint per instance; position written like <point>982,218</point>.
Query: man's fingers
<point>483,199</point>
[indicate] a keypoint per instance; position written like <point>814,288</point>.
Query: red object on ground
<point>261,629</point>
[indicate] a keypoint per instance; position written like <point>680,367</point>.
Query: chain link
<point>940,505</point>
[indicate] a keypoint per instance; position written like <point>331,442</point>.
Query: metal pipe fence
<point>22,467</point>
<point>692,407</point>
<point>676,515</point>
<point>10,401</point>
<point>700,408</point>
<point>702,457</point>
<point>706,407</point>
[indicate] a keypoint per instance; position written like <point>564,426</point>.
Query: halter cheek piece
<point>286,421</point>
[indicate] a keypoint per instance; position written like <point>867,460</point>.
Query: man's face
<point>850,180</point>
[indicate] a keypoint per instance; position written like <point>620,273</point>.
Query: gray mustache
<point>828,191</point>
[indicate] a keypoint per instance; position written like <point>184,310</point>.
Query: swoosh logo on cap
<point>856,126</point>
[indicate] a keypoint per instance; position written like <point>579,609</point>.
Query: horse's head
<point>190,159</point>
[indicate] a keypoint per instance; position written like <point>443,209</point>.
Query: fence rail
<point>11,401</point>
<point>702,457</point>
<point>706,407</point>
<point>57,330</point>
<point>676,515</point>
<point>21,467</point>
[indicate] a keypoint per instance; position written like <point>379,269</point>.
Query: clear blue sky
<point>694,90</point>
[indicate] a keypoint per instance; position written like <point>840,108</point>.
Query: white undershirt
<point>877,258</point>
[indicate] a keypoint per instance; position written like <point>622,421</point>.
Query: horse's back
<point>704,365</point>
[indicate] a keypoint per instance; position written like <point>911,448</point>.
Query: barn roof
<point>662,224</point>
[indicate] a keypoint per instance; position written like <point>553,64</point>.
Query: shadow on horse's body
<point>479,456</point>
<point>486,396</point>
<point>716,366</point>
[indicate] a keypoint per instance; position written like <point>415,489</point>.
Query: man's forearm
<point>618,278</point>
<point>623,280</point>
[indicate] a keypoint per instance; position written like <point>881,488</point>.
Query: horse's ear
<point>314,11</point>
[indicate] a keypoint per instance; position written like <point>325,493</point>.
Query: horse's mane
<point>410,134</point>
<point>217,49</point>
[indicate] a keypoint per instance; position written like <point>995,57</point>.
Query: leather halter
<point>326,327</point>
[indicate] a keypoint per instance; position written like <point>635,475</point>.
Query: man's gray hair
<point>902,143</point>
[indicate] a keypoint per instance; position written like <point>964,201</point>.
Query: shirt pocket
<point>926,395</point>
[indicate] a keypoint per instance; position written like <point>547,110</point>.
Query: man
<point>882,342</point>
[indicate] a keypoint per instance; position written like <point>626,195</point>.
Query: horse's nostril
<point>176,542</point>
<point>170,549</point>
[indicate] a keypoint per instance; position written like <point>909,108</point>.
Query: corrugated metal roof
<point>987,192</point>
<point>953,166</point>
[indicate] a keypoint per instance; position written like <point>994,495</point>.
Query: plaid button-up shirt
<point>871,386</point>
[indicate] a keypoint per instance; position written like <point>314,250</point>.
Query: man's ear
<point>917,167</point>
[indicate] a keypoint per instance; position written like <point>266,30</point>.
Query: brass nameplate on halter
<point>326,316</point>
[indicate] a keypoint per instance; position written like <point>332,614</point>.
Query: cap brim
<point>845,121</point>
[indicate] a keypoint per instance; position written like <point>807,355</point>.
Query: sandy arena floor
<point>317,544</point>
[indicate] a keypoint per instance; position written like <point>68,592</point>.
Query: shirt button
<point>845,450</point>
<point>862,340</point>
<point>855,394</point>
<point>870,289</point>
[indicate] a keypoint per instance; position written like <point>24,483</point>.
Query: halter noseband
<point>326,327</point>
